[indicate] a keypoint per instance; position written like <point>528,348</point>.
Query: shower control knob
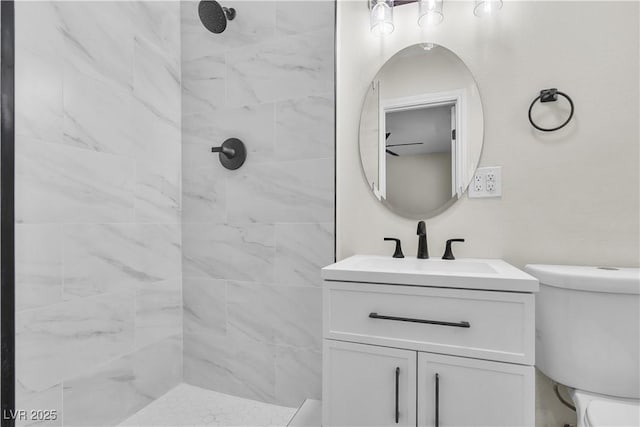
<point>232,153</point>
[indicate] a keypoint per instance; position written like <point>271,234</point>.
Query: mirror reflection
<point>421,131</point>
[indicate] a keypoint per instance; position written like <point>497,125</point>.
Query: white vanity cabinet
<point>472,392</point>
<point>399,353</point>
<point>371,386</point>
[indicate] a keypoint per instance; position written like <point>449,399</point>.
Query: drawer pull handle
<point>437,400</point>
<point>462,324</point>
<point>397,394</point>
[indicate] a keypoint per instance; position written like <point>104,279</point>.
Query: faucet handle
<point>448,254</point>
<point>398,252</point>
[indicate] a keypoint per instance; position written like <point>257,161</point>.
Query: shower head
<point>213,16</point>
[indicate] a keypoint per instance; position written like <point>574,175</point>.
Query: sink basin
<point>469,273</point>
<point>433,266</point>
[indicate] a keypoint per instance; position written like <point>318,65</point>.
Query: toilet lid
<point>603,413</point>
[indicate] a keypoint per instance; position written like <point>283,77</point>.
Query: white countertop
<point>464,273</point>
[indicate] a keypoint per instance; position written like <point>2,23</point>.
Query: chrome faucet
<point>423,249</point>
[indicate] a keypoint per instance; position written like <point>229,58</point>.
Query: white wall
<point>568,197</point>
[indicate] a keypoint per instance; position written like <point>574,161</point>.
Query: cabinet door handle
<point>397,395</point>
<point>437,400</point>
<point>462,324</point>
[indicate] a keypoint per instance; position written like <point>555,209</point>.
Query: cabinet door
<point>366,385</point>
<point>457,391</point>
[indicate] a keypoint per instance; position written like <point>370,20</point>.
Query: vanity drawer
<point>481,324</point>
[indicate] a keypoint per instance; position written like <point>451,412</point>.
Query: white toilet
<point>588,338</point>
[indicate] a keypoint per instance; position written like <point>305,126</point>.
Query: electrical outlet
<point>477,182</point>
<point>487,182</point>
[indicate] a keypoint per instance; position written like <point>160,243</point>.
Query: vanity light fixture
<point>430,12</point>
<point>487,7</point>
<point>381,17</point>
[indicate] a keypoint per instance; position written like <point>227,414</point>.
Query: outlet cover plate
<point>483,177</point>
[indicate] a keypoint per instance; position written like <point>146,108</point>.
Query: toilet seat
<point>597,410</point>
<point>601,413</point>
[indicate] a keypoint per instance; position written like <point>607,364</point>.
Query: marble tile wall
<point>254,239</point>
<point>98,200</point>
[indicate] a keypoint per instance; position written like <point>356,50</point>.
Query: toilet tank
<point>588,327</point>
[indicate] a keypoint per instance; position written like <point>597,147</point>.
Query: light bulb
<point>381,18</point>
<point>487,7</point>
<point>430,12</point>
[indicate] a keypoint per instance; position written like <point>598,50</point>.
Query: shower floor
<point>187,405</point>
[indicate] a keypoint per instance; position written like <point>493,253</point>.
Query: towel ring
<point>551,95</point>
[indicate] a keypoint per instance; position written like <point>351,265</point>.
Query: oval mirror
<point>421,131</point>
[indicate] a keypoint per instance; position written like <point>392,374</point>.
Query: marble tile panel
<point>98,40</point>
<point>295,191</point>
<point>283,68</point>
<point>98,120</point>
<point>195,40</point>
<point>49,399</point>
<point>158,22</point>
<point>161,251</point>
<point>206,361</point>
<point>203,83</point>
<point>56,183</point>
<point>284,315</point>
<point>298,375</point>
<point>157,140</point>
<point>158,367</point>
<point>38,96</point>
<point>256,23</point>
<point>157,192</point>
<point>301,251</point>
<point>304,128</point>
<point>205,306</point>
<point>158,167</point>
<point>231,364</point>
<point>197,155</point>
<point>156,81</point>
<point>303,16</point>
<point>204,188</point>
<point>243,252</point>
<point>97,116</point>
<point>39,28</point>
<point>122,386</point>
<point>253,125</point>
<point>158,311</point>
<point>100,258</point>
<point>38,71</point>
<point>252,228</point>
<point>103,397</point>
<point>38,252</point>
<point>63,340</point>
